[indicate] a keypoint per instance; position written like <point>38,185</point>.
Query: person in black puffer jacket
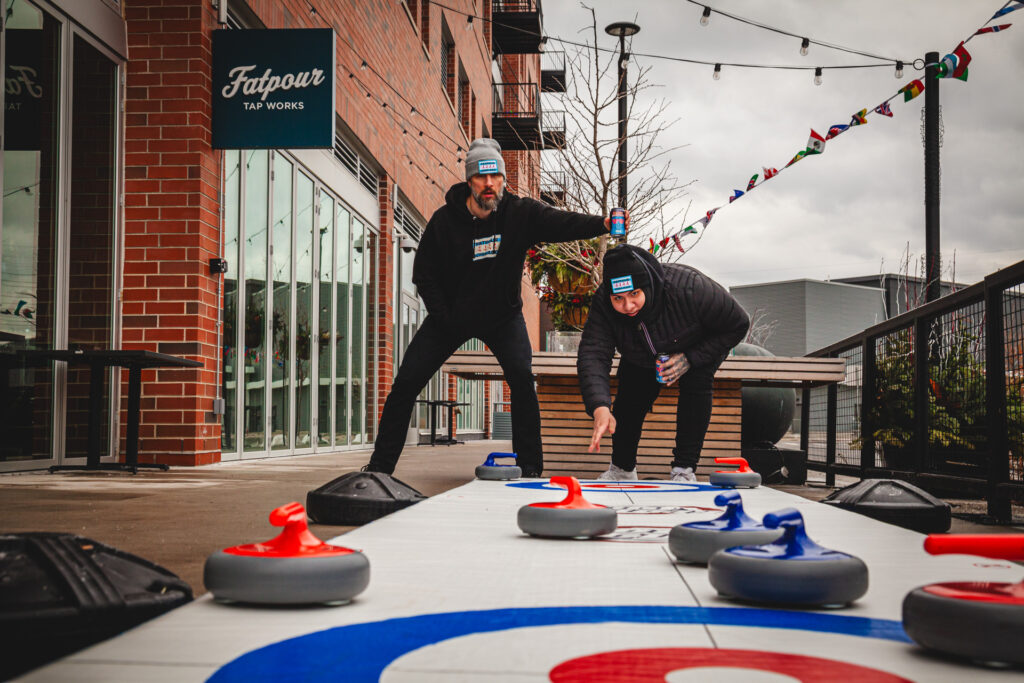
<point>644,309</point>
<point>469,271</point>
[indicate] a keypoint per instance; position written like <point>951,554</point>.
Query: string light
<point>804,45</point>
<point>412,112</point>
<point>899,69</point>
<point>817,76</point>
<point>705,17</point>
<point>718,72</point>
<point>363,66</point>
<point>469,22</point>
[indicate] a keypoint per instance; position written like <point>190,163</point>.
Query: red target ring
<point>651,666</point>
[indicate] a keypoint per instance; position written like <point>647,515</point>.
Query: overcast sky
<point>854,209</point>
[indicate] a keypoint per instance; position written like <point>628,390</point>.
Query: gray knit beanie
<point>483,157</point>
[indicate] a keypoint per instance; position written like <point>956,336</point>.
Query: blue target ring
<point>361,652</point>
<point>620,486</point>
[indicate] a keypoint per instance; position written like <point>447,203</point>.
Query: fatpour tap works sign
<point>273,88</point>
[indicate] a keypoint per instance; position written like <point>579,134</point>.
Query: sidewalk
<point>178,518</point>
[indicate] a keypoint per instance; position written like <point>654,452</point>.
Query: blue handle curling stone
<point>792,569</point>
<point>493,471</point>
<point>697,541</point>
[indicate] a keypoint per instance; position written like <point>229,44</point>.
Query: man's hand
<point>608,222</point>
<point>604,421</point>
<point>674,368</point>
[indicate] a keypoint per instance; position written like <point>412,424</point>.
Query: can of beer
<point>662,359</point>
<point>618,221</point>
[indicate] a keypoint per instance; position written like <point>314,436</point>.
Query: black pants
<point>638,388</point>
<point>429,349</point>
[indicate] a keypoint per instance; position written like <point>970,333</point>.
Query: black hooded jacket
<point>690,312</point>
<point>469,271</point>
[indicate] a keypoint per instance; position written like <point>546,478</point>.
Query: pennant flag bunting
<point>963,59</point>
<point>750,183</point>
<point>835,130</point>
<point>799,155</point>
<point>654,247</point>
<point>769,172</point>
<point>912,90</point>
<point>1013,7</point>
<point>992,29</point>
<point>679,245</point>
<point>815,143</point>
<point>884,109</point>
<point>709,215</point>
<point>664,242</point>
<point>736,194</point>
<point>703,221</point>
<point>860,118</point>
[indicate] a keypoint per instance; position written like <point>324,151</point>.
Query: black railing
<point>933,395</point>
<point>516,100</point>
<point>515,5</point>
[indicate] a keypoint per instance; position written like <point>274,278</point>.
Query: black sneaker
<point>532,473</point>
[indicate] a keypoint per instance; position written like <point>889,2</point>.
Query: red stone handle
<point>573,500</point>
<point>742,462</point>
<point>996,546</point>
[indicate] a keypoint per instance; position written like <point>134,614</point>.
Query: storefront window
<point>324,345</point>
<point>360,243</point>
<point>304,230</point>
<point>28,237</point>
<point>281,266</point>
<point>341,337</point>
<point>255,326</point>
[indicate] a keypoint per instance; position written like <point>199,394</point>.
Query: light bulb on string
<point>899,69</point>
<point>718,72</point>
<point>412,112</point>
<point>705,16</point>
<point>469,22</point>
<point>363,66</point>
<point>804,45</point>
<point>817,76</point>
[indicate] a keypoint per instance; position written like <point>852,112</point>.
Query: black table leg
<point>96,371</point>
<point>132,436</point>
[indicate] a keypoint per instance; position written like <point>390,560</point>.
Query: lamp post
<point>621,29</point>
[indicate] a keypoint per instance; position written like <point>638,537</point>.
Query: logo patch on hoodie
<point>486,247</point>
<point>622,284</point>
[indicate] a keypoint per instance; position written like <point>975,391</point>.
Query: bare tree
<point>584,172</point>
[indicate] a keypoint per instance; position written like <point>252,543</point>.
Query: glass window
<point>281,268</point>
<point>28,236</point>
<point>359,246</point>
<point>341,337</point>
<point>256,187</point>
<point>325,327</point>
<point>304,229</point>
<point>232,204</point>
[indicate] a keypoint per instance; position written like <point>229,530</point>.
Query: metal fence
<point>933,396</point>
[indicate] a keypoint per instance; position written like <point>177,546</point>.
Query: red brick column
<point>172,226</point>
<point>381,357</point>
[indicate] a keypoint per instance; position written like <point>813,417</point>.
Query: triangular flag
<point>653,248</point>
<point>860,118</point>
<point>836,130</point>
<point>963,59</point>
<point>1006,10</point>
<point>912,90</point>
<point>769,172</point>
<point>675,238</point>
<point>664,242</point>
<point>799,155</point>
<point>751,182</point>
<point>884,109</point>
<point>736,194</point>
<point>992,29</point>
<point>690,229</point>
<point>815,143</point>
<point>710,214</point>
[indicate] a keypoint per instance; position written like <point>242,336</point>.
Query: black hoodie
<point>690,312</point>
<point>468,271</point>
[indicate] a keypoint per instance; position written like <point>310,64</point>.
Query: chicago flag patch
<point>486,247</point>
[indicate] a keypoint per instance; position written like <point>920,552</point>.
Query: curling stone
<point>743,477</point>
<point>492,471</point>
<point>791,570</point>
<point>698,541</point>
<point>573,517</point>
<point>979,620</point>
<point>294,568</point>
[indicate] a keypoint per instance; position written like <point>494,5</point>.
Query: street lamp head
<point>621,29</point>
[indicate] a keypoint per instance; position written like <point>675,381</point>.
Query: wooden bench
<point>566,428</point>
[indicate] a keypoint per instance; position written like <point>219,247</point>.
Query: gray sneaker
<point>684,475</point>
<point>615,473</point>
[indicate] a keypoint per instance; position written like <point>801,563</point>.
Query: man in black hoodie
<point>644,310</point>
<point>468,270</point>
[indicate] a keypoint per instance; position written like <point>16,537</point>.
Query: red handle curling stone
<point>572,517</point>
<point>743,477</point>
<point>295,567</point>
<point>979,620</point>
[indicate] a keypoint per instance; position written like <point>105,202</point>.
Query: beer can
<point>618,221</point>
<point>662,359</point>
